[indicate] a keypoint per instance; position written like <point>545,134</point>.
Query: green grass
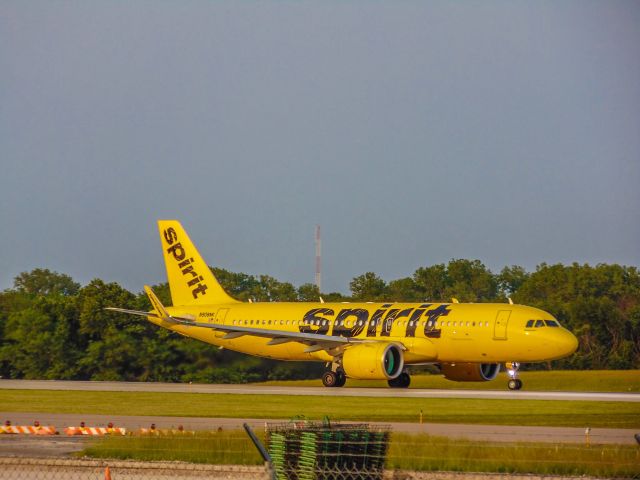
<point>407,452</point>
<point>217,448</point>
<point>548,381</point>
<point>437,410</point>
<point>423,452</point>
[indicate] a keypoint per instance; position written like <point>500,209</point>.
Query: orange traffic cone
<point>107,474</point>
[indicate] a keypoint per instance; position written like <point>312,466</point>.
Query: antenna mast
<point>318,259</point>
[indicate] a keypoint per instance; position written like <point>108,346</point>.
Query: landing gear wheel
<point>330,379</point>
<point>512,370</point>
<point>401,381</point>
<point>341,379</point>
<point>514,384</point>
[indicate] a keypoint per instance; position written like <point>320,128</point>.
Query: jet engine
<point>470,372</point>
<point>373,361</point>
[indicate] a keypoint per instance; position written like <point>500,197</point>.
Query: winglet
<point>157,304</point>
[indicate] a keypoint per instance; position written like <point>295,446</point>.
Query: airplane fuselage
<point>431,332</point>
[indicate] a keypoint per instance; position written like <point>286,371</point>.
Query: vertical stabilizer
<point>190,280</point>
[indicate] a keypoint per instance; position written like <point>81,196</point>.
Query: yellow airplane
<point>356,340</point>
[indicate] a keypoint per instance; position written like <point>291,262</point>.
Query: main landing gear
<point>401,381</point>
<point>514,382</point>
<point>334,379</point>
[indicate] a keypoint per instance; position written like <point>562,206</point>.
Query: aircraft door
<point>220,318</point>
<point>500,327</point>
<point>222,314</point>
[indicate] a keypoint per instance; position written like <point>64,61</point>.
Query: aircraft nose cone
<point>568,342</point>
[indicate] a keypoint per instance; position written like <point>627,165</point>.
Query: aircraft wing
<point>314,341</point>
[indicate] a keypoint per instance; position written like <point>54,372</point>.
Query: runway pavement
<point>495,433</point>
<point>344,392</point>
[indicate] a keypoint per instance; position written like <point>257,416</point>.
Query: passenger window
<point>530,324</point>
<point>539,323</point>
<point>551,323</point>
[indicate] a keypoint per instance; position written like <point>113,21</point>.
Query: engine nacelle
<point>373,361</point>
<point>470,372</point>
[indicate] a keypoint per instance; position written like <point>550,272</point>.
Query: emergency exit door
<point>500,327</point>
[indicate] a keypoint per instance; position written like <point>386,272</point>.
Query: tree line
<point>51,327</point>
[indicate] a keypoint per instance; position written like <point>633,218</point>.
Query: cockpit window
<point>541,323</point>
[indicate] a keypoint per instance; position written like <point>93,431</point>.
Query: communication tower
<point>318,259</point>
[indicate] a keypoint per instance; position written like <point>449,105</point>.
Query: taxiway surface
<point>494,433</point>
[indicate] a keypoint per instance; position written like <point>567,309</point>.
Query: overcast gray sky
<point>413,132</point>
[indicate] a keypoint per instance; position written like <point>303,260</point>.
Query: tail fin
<point>190,279</point>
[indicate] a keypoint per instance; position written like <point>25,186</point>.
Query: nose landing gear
<point>514,382</point>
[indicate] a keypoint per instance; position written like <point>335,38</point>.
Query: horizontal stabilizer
<point>132,312</point>
<point>160,311</point>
